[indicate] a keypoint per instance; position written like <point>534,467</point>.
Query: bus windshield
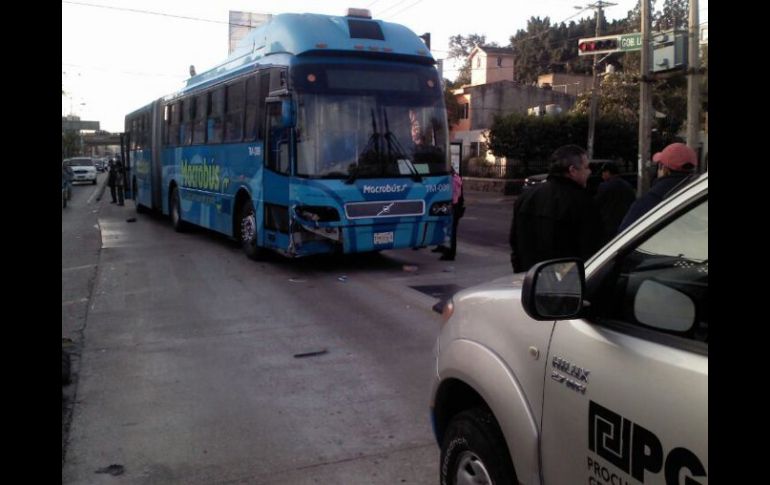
<point>366,123</point>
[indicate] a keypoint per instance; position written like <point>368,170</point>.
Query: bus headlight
<point>317,213</point>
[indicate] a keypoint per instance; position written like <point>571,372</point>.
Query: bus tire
<point>247,231</point>
<point>176,212</point>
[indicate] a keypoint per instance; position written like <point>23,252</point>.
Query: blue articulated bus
<point>319,134</point>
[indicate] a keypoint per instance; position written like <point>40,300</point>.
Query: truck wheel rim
<point>471,470</point>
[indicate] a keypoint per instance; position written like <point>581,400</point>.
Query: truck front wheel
<point>474,451</point>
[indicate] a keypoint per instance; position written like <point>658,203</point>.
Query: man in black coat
<point>676,164</point>
<point>556,219</point>
<point>111,178</point>
<point>614,197</point>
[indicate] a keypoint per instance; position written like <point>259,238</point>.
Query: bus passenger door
<point>279,151</point>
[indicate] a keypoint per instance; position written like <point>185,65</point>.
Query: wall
<point>464,124</point>
<point>573,84</point>
<point>484,68</point>
<point>506,97</point>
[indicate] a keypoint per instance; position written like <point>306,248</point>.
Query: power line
<point>405,8</point>
<point>148,12</point>
<point>390,7</point>
<point>131,73</point>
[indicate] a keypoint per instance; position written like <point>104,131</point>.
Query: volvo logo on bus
<point>385,209</point>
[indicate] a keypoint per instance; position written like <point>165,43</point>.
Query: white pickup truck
<point>594,374</point>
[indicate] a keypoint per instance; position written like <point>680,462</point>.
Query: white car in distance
<point>83,169</point>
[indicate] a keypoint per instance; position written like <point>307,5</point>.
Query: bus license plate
<point>383,237</point>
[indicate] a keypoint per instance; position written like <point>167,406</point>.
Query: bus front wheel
<point>247,231</point>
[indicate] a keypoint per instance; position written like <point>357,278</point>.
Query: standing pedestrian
<point>614,197</point>
<point>676,165</point>
<point>556,219</point>
<point>120,178</point>
<point>458,210</point>
<point>111,176</point>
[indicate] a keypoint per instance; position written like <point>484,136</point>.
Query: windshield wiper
<point>371,153</point>
<point>395,146</point>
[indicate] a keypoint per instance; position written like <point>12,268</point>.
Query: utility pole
<point>693,82</point>
<point>645,103</point>
<point>599,7</point>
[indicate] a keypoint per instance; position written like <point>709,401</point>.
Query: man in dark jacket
<point>111,178</point>
<point>614,197</point>
<point>556,219</point>
<point>676,164</point>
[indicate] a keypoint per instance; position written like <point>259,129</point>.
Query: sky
<point>118,55</point>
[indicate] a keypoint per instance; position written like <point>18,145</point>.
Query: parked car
<point>100,164</point>
<point>83,169</point>
<point>534,385</point>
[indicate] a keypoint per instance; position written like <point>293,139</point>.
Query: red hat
<point>676,156</point>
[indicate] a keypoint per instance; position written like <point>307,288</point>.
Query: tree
<point>674,15</point>
<point>544,48</point>
<point>460,48</point>
<point>70,143</point>
<point>452,105</point>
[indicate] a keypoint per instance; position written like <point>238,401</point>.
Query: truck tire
<point>474,451</point>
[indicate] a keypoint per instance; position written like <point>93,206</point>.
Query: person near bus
<point>556,219</point>
<point>675,167</point>
<point>458,210</point>
<point>111,176</point>
<point>115,181</point>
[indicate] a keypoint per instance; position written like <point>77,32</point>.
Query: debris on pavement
<point>310,354</point>
<point>113,470</point>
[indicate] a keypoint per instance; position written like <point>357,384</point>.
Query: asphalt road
<point>196,365</point>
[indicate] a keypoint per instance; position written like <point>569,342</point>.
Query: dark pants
<point>119,189</point>
<point>112,193</point>
<point>455,221</point>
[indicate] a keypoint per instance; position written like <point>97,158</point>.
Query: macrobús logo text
<point>205,176</point>
<point>398,188</point>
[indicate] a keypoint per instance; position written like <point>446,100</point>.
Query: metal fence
<point>517,170</point>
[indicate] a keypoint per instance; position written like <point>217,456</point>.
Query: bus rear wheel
<point>247,231</point>
<point>176,212</point>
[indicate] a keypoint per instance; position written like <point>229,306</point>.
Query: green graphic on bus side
<point>201,176</point>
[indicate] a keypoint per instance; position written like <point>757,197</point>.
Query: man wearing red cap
<point>676,163</point>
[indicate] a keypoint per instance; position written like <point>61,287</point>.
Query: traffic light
<point>598,45</point>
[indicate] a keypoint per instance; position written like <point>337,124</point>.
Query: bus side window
<point>234,117</point>
<point>264,88</point>
<point>138,130</point>
<point>132,139</point>
<point>173,126</point>
<point>146,130</point>
<point>215,125</point>
<point>252,108</point>
<point>199,123</point>
<point>166,119</point>
<point>184,109</point>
